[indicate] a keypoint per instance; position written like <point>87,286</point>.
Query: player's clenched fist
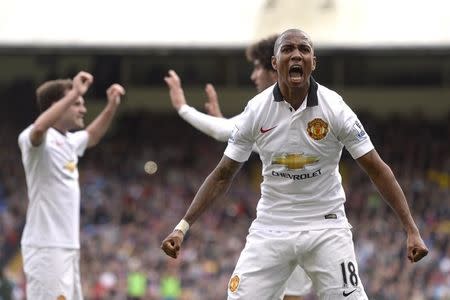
<point>114,92</point>
<point>416,248</point>
<point>82,81</point>
<point>172,243</point>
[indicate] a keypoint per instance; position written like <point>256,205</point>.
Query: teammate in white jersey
<point>50,240</point>
<point>299,128</point>
<point>214,125</point>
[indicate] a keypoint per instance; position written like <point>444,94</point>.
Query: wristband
<point>183,226</point>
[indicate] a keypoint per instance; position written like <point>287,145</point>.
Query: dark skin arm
<point>214,187</point>
<point>383,178</point>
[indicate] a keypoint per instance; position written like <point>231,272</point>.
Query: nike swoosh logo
<point>266,130</point>
<point>347,294</point>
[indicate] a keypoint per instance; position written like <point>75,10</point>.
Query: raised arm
<point>219,129</point>
<point>212,104</point>
<point>383,178</point>
<point>213,126</point>
<point>214,186</point>
<point>48,118</point>
<point>98,127</point>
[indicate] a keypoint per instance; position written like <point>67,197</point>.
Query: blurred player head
<point>51,91</point>
<point>260,54</point>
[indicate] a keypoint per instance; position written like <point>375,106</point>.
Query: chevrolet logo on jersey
<point>294,161</point>
<point>71,166</point>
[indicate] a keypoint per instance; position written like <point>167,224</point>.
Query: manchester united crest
<point>317,129</point>
<point>234,283</point>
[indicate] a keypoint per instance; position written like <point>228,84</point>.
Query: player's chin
<point>79,123</point>
<point>259,87</point>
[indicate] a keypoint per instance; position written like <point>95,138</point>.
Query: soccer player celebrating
<point>50,240</point>
<point>214,125</point>
<point>299,128</point>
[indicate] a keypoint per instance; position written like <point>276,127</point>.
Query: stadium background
<point>391,65</point>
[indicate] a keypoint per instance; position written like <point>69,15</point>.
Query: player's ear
<point>314,63</point>
<point>274,63</point>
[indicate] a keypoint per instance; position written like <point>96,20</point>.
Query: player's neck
<point>60,128</point>
<point>295,96</point>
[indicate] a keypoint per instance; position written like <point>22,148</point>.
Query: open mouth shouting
<point>296,73</point>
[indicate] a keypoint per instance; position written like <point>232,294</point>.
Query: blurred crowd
<point>125,212</point>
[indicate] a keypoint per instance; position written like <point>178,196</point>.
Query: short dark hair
<point>262,51</point>
<point>277,43</point>
<point>52,91</point>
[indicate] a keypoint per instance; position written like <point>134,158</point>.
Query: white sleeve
<point>352,134</point>
<point>217,128</point>
<point>242,138</point>
<point>24,139</point>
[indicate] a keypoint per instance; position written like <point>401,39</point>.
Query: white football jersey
<point>53,214</point>
<point>300,151</point>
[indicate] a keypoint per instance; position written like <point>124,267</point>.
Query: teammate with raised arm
<point>300,128</point>
<point>51,237</point>
<point>215,125</point>
<point>263,76</point>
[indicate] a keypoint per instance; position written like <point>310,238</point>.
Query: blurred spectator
<point>6,287</point>
<point>136,281</point>
<point>170,286</point>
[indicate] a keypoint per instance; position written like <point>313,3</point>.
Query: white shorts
<point>52,273</point>
<point>298,284</point>
<point>270,257</point>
